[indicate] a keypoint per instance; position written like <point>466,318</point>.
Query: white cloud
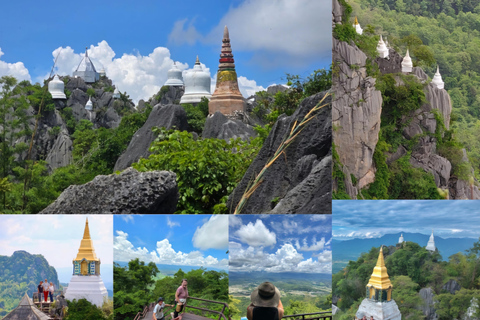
<point>17,69</point>
<point>316,245</point>
<point>296,30</point>
<point>171,223</point>
<point>127,217</point>
<point>213,234</point>
<point>285,259</point>
<point>234,220</point>
<point>164,253</point>
<point>256,235</point>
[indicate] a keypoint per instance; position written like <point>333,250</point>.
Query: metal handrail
<point>145,311</point>
<point>220,313</point>
<point>315,315</point>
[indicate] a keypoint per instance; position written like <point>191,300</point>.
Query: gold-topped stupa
<point>379,287</point>
<point>86,261</point>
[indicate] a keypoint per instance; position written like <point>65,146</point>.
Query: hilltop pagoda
<point>86,70</point>
<point>86,281</point>
<point>227,97</point>
<point>379,302</point>
<point>431,244</point>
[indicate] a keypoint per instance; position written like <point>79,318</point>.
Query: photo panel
<point>53,263</point>
<point>172,266</point>
<point>280,265</point>
<point>405,259</point>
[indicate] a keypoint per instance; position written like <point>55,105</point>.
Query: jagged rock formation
<point>300,180</point>
<point>128,192</point>
<point>60,303</point>
<point>220,127</point>
<point>451,286</point>
<point>427,308</point>
<point>357,107</point>
<point>167,116</point>
<point>167,95</point>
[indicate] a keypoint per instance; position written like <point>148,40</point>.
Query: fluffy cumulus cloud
<point>164,253</point>
<point>284,259</point>
<point>212,234</point>
<point>277,31</point>
<point>16,70</point>
<point>315,246</point>
<point>256,235</point>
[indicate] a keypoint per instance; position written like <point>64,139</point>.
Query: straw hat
<point>266,295</point>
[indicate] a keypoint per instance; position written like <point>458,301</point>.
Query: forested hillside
<point>423,286</point>
<point>444,33</point>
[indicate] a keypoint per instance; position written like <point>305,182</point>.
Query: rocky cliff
<point>299,181</point>
<point>357,123</point>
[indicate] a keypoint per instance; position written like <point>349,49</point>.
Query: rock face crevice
<point>300,179</point>
<point>128,192</point>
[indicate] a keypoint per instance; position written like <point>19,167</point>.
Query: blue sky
<point>137,42</point>
<point>373,219</point>
<point>184,240</point>
<point>58,237</point>
<point>280,243</point>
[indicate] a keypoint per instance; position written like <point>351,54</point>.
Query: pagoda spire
<point>86,250</point>
<point>379,278</point>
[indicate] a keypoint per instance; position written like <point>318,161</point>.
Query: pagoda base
<point>88,287</point>
<point>194,98</point>
<point>379,310</point>
<point>226,104</point>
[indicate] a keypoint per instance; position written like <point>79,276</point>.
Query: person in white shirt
<point>158,310</point>
<point>45,290</point>
<point>51,290</point>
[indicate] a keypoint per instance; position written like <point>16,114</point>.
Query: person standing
<point>158,310</point>
<point>181,297</point>
<point>45,290</point>
<point>40,291</point>
<point>51,290</point>
<point>265,303</point>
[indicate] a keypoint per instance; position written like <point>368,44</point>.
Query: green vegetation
<point>83,309</point>
<point>410,268</point>
<point>444,33</point>
<point>197,115</point>
<point>135,287</point>
<point>207,169</point>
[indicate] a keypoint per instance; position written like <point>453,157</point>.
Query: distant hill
<point>20,273</point>
<point>344,251</point>
<point>236,278</point>
<point>170,270</point>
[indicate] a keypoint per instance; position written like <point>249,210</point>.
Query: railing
<point>220,313</point>
<point>40,297</point>
<point>327,315</point>
<point>144,312</point>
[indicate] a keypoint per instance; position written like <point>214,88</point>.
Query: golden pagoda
<point>379,287</point>
<point>86,262</point>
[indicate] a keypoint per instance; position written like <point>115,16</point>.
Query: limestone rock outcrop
<point>356,110</point>
<point>167,116</point>
<point>427,307</point>
<point>300,179</point>
<point>128,192</point>
<point>451,286</point>
<point>220,127</point>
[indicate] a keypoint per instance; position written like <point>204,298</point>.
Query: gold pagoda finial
<point>86,250</point>
<point>356,21</point>
<point>225,33</point>
<point>197,61</point>
<point>379,278</point>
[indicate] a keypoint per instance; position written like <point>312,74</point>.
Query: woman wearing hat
<point>158,311</point>
<point>266,304</point>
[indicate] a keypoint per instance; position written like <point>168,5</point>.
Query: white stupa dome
<point>407,64</point>
<point>382,48</point>
<point>197,85</point>
<point>57,88</point>
<point>357,26</point>
<point>175,77</point>
<point>116,94</point>
<point>437,80</point>
<point>89,105</point>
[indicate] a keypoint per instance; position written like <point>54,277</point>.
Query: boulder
<point>392,64</point>
<point>128,192</point>
<point>168,116</point>
<point>220,127</point>
<point>302,173</point>
<point>76,83</point>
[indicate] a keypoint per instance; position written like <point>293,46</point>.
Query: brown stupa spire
<point>227,97</point>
